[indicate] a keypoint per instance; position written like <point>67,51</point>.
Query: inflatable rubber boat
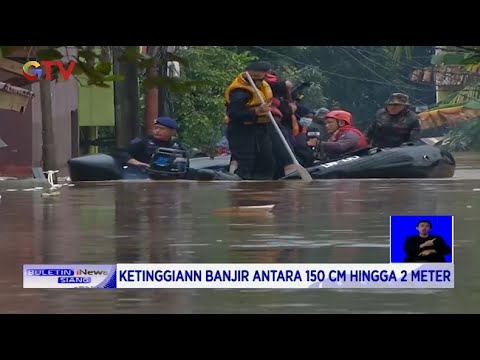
<point>419,161</point>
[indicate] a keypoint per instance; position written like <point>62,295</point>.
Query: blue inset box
<point>421,239</point>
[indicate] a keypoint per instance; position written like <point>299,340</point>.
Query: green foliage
<point>398,51</point>
<point>6,50</point>
<point>48,54</point>
<point>313,95</point>
<point>447,58</point>
<point>358,79</point>
<point>200,111</point>
<point>98,67</point>
<point>464,137</point>
<point>457,56</point>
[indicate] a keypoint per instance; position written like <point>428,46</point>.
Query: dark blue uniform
<point>143,149</point>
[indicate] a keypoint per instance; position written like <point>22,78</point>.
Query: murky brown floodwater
<point>331,221</point>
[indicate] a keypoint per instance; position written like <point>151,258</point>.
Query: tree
<point>97,65</point>
<point>462,65</point>
<point>358,79</point>
<point>287,66</point>
<point>200,111</point>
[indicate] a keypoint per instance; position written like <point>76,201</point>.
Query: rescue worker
<point>305,119</point>
<point>395,124</point>
<point>344,137</point>
<point>255,146</point>
<point>305,145</point>
<point>282,111</point>
<point>319,120</point>
<point>141,150</point>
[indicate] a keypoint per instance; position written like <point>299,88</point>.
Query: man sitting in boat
<point>395,124</point>
<point>141,150</point>
<point>344,139</point>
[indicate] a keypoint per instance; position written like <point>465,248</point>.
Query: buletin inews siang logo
<point>64,272</point>
<point>59,276</point>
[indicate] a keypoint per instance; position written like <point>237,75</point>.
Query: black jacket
<point>143,149</point>
<point>238,111</point>
<point>393,130</point>
<point>412,248</point>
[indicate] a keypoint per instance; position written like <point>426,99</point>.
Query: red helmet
<point>340,115</point>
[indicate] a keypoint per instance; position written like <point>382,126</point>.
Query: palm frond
<point>398,51</point>
<point>469,92</point>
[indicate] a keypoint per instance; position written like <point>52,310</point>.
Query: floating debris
<point>11,190</point>
<point>260,210</point>
<point>469,206</point>
<point>476,189</point>
<point>51,194</point>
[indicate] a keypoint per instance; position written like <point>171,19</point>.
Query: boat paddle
<point>304,174</point>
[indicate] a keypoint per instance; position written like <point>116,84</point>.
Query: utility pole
<point>162,90</point>
<point>151,95</point>
<point>437,95</point>
<point>162,93</point>
<point>48,135</point>
<point>127,125</point>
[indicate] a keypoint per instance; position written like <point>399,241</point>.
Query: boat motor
<point>168,163</point>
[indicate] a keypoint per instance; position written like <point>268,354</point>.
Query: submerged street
<point>326,221</point>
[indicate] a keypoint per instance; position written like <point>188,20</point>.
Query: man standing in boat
<point>395,124</point>
<point>255,147</point>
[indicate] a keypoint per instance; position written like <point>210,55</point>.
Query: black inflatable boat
<point>420,161</point>
<point>103,167</point>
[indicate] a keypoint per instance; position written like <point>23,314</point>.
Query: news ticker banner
<point>240,276</point>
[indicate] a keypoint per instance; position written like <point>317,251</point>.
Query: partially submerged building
<point>21,125</point>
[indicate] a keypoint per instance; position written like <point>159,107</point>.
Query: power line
<point>318,68</point>
<point>385,56</point>
<point>420,65</point>
<point>400,76</point>
<point>366,67</point>
<point>342,75</point>
<point>327,71</point>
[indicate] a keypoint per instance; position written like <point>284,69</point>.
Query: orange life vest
<point>240,83</point>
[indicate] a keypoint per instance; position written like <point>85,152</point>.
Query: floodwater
<point>330,221</point>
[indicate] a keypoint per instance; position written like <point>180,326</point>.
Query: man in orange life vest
<point>255,147</point>
<point>344,138</point>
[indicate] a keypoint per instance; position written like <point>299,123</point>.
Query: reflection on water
<point>331,221</point>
